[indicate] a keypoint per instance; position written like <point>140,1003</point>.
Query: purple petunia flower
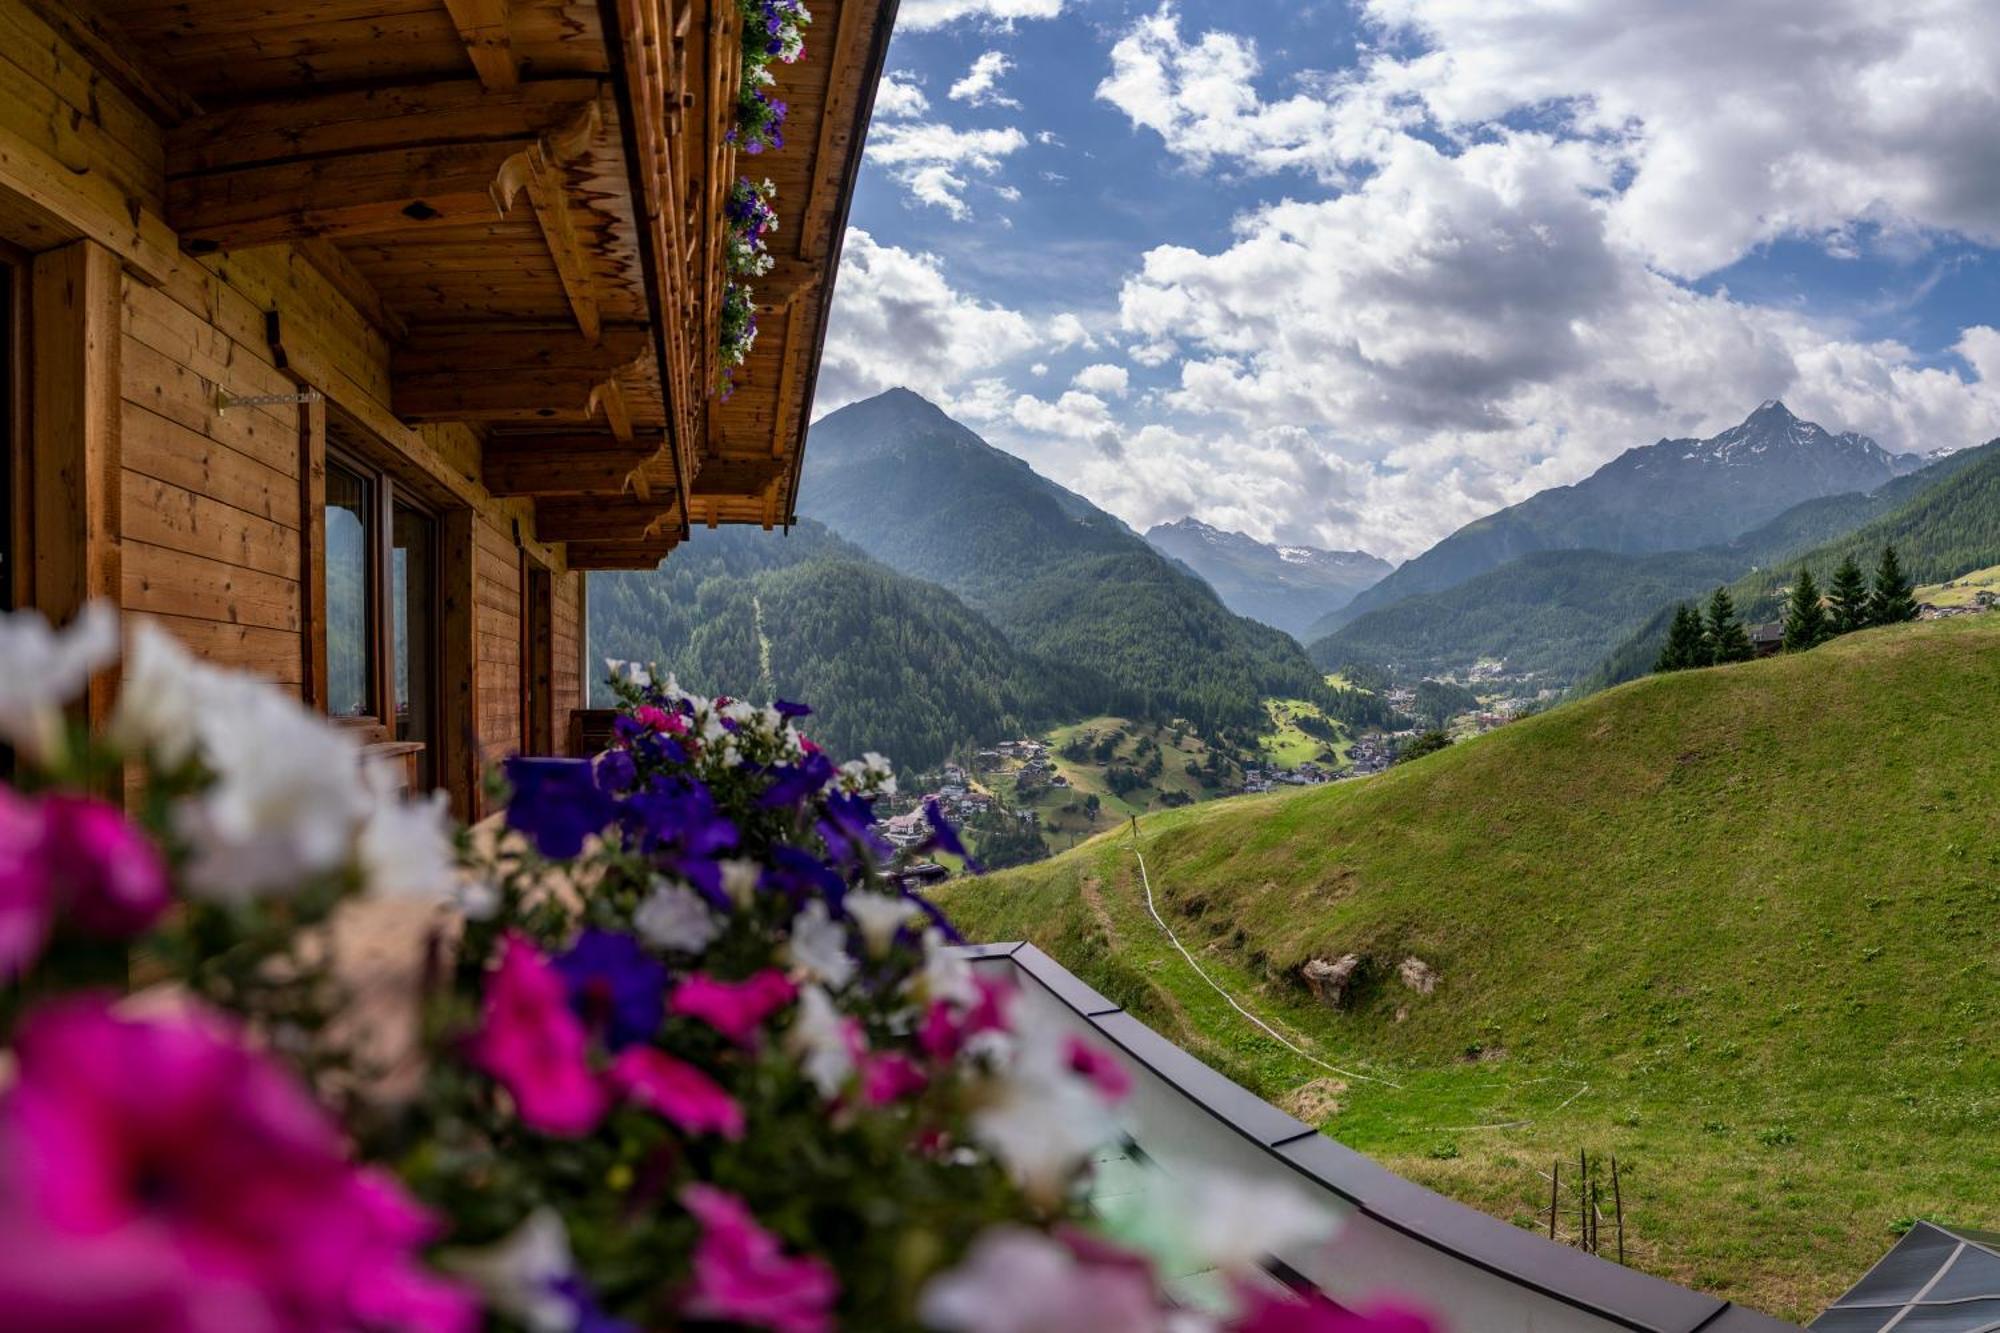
<point>557,803</point>
<point>794,784</point>
<point>945,838</point>
<point>615,986</point>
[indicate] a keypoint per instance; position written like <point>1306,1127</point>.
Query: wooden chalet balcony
<point>302,293</point>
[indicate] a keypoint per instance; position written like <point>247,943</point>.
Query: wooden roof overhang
<point>525,197</point>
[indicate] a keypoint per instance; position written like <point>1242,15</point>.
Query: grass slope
<point>1740,927</point>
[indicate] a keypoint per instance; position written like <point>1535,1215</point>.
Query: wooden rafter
<point>515,374</point>
<point>351,163</point>
<point>600,518</point>
<point>482,26</point>
<point>555,465</point>
<point>548,194</point>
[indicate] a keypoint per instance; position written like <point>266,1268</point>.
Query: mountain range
<point>1287,587</point>
<point>1063,580</point>
<point>1674,495</point>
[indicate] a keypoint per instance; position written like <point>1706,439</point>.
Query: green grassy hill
<point>1740,927</point>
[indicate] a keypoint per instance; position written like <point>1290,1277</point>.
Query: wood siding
<point>201,518</point>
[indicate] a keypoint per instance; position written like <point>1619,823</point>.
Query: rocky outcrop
<point>1418,975</point>
<point>1332,982</point>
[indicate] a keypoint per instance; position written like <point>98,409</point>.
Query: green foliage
<point>1727,640</point>
<point>1686,647</point>
<point>1890,602</point>
<point>1429,742</point>
<point>1806,623</point>
<point>1439,701</point>
<point>1847,598</point>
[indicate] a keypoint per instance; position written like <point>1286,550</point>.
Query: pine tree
<point>1805,618</point>
<point>1728,641</point>
<point>1684,647</point>
<point>1847,597</point>
<point>1891,603</point>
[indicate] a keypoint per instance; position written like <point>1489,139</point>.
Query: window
<point>413,581</point>
<point>382,602</point>
<point>352,533</point>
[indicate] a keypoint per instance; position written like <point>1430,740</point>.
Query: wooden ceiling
<point>526,197</point>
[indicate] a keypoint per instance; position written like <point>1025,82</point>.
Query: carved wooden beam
<point>737,476</point>
<point>620,555</point>
<point>787,281</point>
<point>556,465</point>
<point>350,163</point>
<point>482,26</point>
<point>600,518</point>
<point>328,124</point>
<point>511,374</point>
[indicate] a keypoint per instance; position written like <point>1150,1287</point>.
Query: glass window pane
<point>413,581</point>
<point>348,525</point>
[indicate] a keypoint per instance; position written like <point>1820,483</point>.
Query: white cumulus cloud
<point>981,84</point>
<point>923,15</point>
<point>931,160</point>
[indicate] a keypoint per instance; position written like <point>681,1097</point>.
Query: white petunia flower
<point>1043,1120</point>
<point>405,848</point>
<point>41,669</point>
<point>519,1273</point>
<point>1235,1223</point>
<point>880,916</point>
<point>288,798</point>
<point>819,945</point>
<point>824,1042</point>
<point>164,697</point>
<point>870,775</point>
<point>946,974</point>
<point>739,879</point>
<point>675,917</point>
<point>1015,1280</point>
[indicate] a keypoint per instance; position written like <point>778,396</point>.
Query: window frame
<point>378,724</point>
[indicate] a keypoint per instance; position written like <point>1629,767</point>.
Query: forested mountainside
<point>1943,522</point>
<point>1065,581</point>
<point>1675,495</point>
<point>891,663</point>
<point>1287,587</point>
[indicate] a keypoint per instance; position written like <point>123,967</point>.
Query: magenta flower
<point>27,904</point>
<point>686,1097</point>
<point>1109,1077</point>
<point>111,879</point>
<point>742,1275</point>
<point>536,1046</point>
<point>161,1175</point>
<point>1267,1312</point>
<point>946,1027</point>
<point>889,1078</point>
<point>655,718</point>
<point>736,1009</point>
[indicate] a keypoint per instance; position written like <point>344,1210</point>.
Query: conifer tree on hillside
<point>1728,641</point>
<point>1847,599</point>
<point>1685,648</point>
<point>1805,619</point>
<point>1890,602</point>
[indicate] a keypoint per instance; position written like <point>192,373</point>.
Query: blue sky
<point>1353,272</point>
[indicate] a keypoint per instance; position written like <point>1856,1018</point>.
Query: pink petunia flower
<point>890,1077</point>
<point>946,1027</point>
<point>736,1009</point>
<point>741,1273</point>
<point>111,880</point>
<point>536,1046</point>
<point>684,1095</point>
<point>161,1175</point>
<point>1267,1312</point>
<point>27,899</point>
<point>1112,1081</point>
<point>652,717</point>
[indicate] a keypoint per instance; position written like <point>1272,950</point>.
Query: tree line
<point>1714,636</point>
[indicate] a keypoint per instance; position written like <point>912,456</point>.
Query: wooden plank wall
<point>213,537</point>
